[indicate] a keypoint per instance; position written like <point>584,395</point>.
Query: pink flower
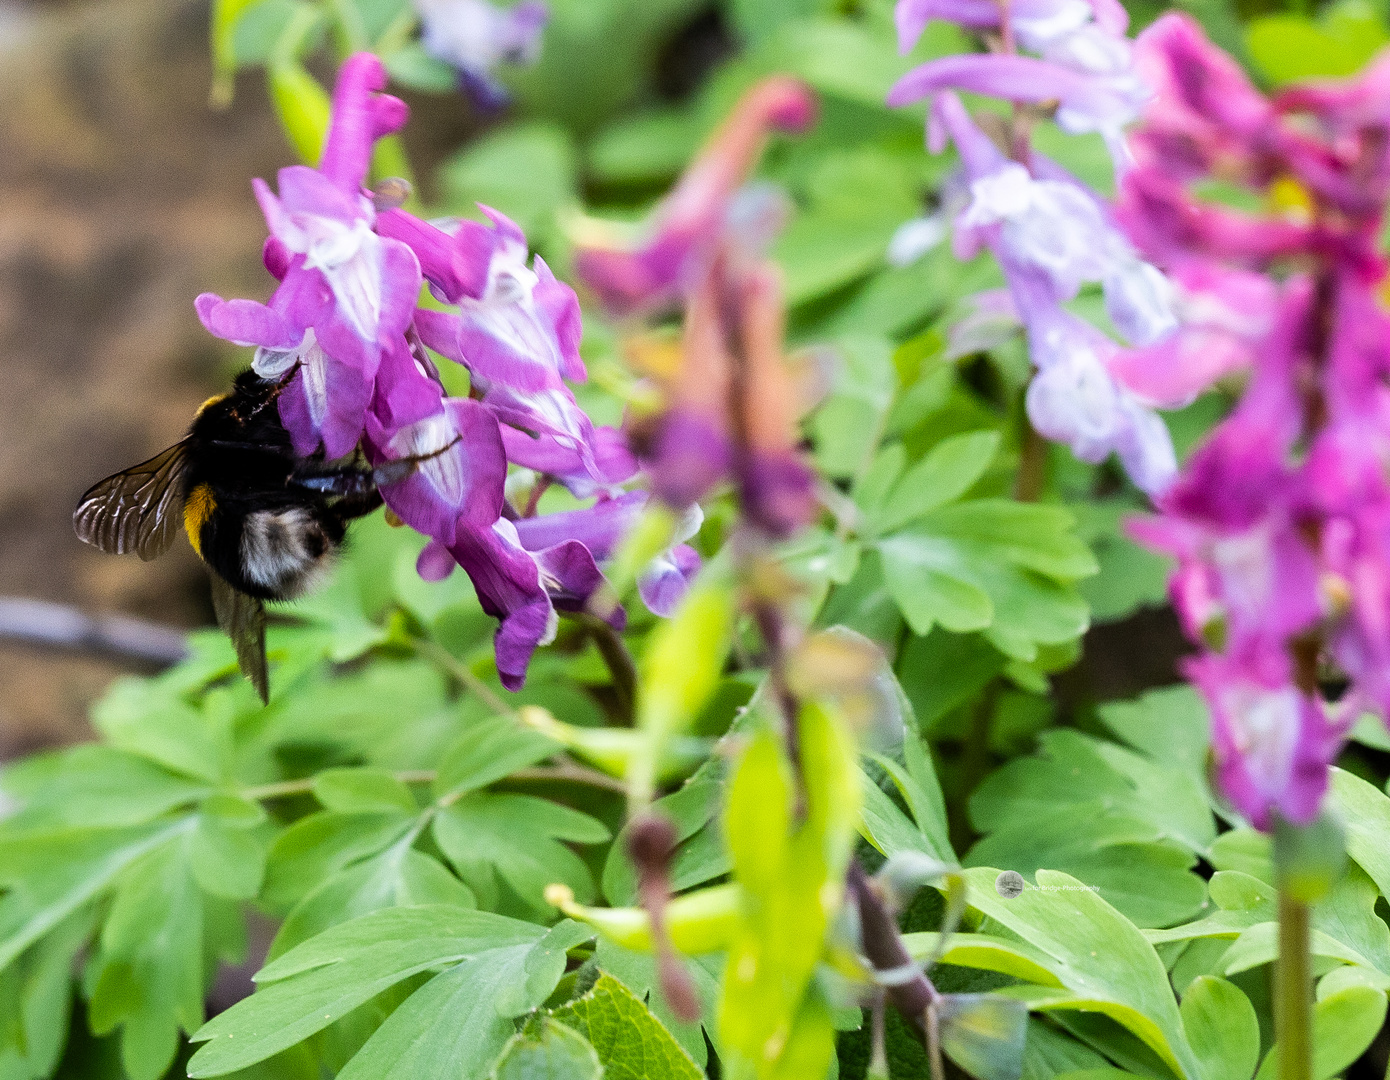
<point>687,228</point>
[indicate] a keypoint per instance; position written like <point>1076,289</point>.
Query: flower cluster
<point>1048,231</point>
<point>343,329</point>
<point>730,406</point>
<point>1281,521</point>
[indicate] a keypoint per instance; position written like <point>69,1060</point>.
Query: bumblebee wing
<point>242,619</point>
<point>135,510</point>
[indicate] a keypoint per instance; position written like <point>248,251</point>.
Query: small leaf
<point>489,750</point>
<point>363,791</point>
<point>517,837</point>
<point>631,1043</point>
<point>548,1050</point>
<point>327,977</point>
<point>302,106</point>
<point>945,474</point>
<point>1344,1024</point>
<point>1222,1027</point>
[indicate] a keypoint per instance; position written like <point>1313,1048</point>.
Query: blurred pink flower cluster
<point>1281,522</point>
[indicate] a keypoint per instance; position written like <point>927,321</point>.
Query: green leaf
<point>363,791</point>
<point>412,67</point>
<point>548,1050</point>
<point>632,1044</point>
<point>1170,726</point>
<point>987,953</point>
<point>1099,956</point>
<point>1290,47</point>
<point>1030,535</point>
<point>149,970</point>
<point>1222,1027</point>
<point>1365,813</point>
<point>858,199</point>
<point>316,847</point>
<point>328,976</point>
<point>947,472</point>
<point>918,786</point>
<point>849,423</point>
<point>302,106</point>
<point>227,859</point>
<point>933,583</point>
<point>646,148</point>
<point>1343,1026</point>
<point>36,1000</point>
<point>487,751</point>
<point>700,854</point>
<point>101,785</point>
<point>1133,828</point>
<point>399,875</point>
<point>943,671</point>
<point>54,872</point>
<point>452,1026</point>
<point>517,837</point>
<point>154,722</point>
<point>637,971</point>
<point>527,171</point>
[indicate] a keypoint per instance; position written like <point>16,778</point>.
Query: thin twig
<point>119,637</point>
<point>579,774</point>
<point>884,949</point>
<point>621,666</point>
<point>564,770</point>
<point>460,672</point>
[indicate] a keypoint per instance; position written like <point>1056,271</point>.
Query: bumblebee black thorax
<point>265,535</point>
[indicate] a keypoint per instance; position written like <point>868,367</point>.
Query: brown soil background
<point>122,196</point>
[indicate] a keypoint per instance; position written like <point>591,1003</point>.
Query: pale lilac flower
<point>1085,63</point>
<point>915,238</point>
<point>1050,236</point>
<point>347,294</point>
<point>475,37</point>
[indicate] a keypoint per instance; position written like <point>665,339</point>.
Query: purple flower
<point>1049,236</point>
<point>601,529</point>
<point>1223,315</point>
<point>555,433</point>
<point>347,294</point>
<point>700,214</point>
<point>523,588</point>
<point>461,468</point>
<point>475,37</point>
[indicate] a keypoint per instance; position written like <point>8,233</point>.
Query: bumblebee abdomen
<point>286,552</point>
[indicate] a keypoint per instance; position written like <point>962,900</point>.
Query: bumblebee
<point>266,522</point>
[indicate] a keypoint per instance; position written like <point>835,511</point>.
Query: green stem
<point>1293,992</point>
<point>1032,465</point>
<point>461,673</point>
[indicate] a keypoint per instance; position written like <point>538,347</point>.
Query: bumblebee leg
<point>392,472</point>
<point>352,487</point>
